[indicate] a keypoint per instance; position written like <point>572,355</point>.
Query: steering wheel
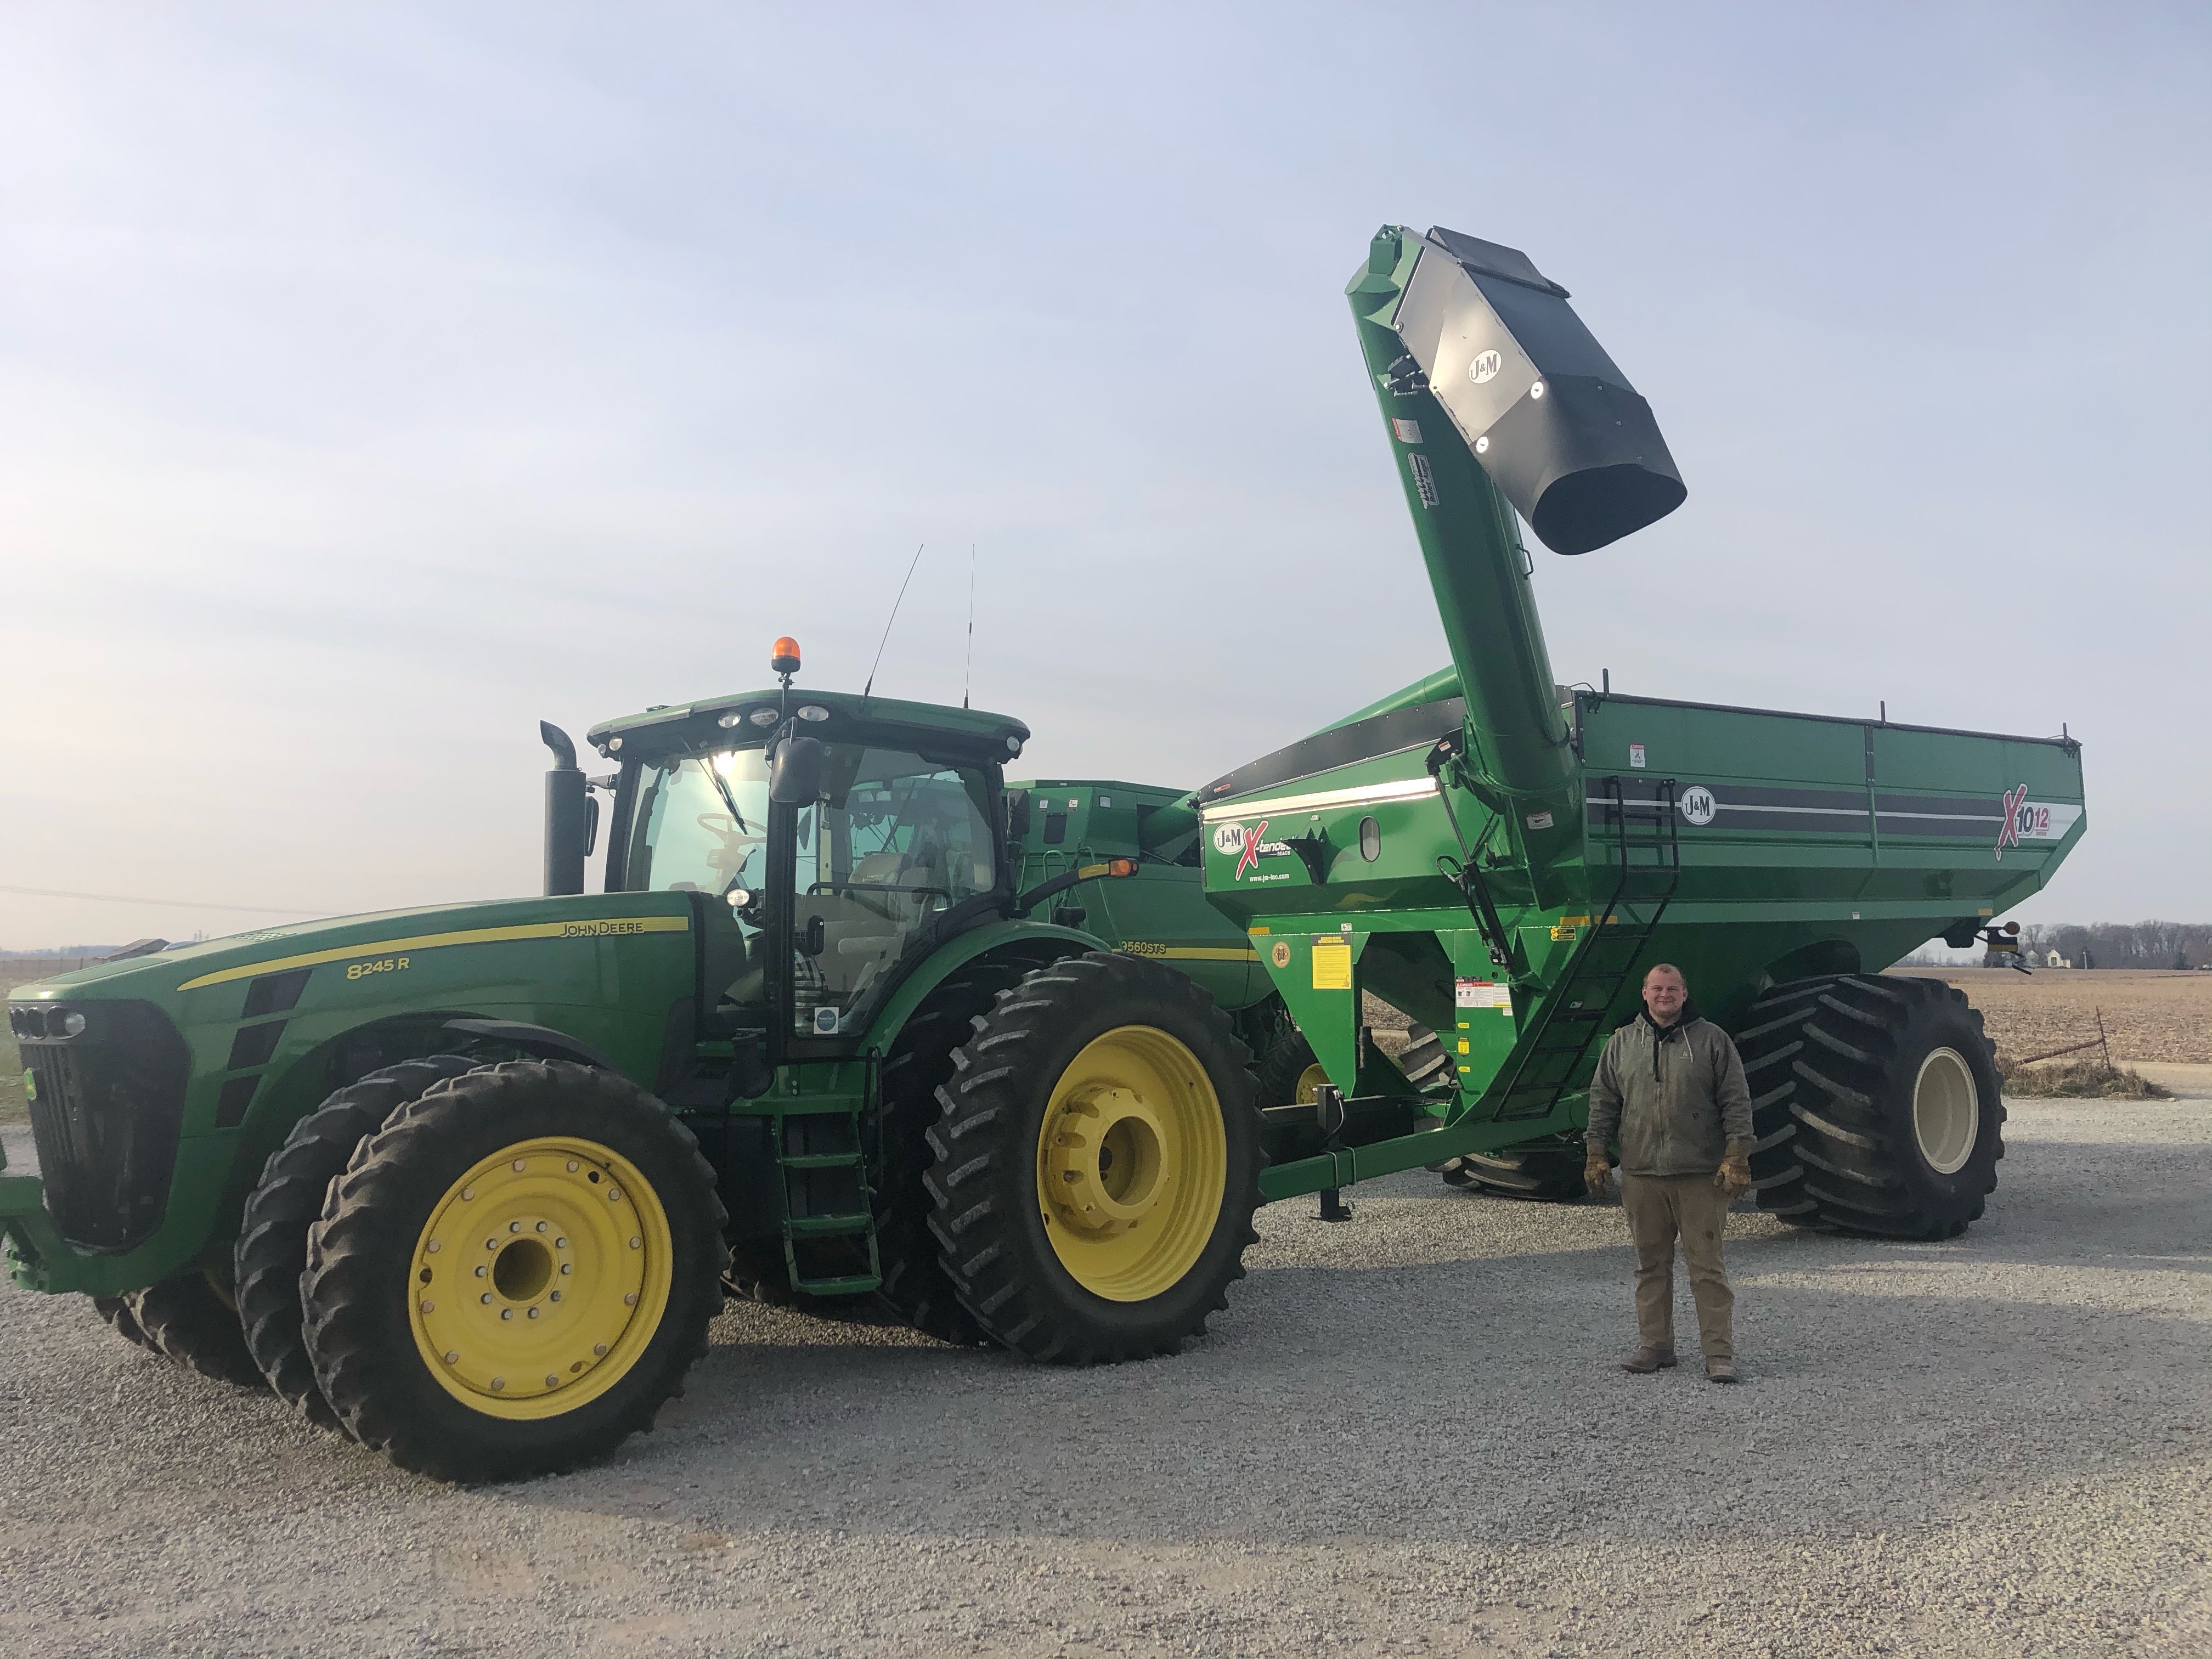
<point>729,859</point>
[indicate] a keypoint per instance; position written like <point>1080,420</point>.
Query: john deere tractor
<point>852,1015</point>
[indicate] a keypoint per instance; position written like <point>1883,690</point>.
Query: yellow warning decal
<point>1332,964</point>
<point>603,927</point>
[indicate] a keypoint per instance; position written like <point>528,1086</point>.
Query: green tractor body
<point>854,1015</point>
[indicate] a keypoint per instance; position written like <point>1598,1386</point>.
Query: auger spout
<point>1496,398</point>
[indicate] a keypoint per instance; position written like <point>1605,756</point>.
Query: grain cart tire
<point>1288,1074</point>
<point>116,1310</point>
<point>190,1322</point>
<point>514,1272</point>
<point>919,1063</point>
<point>1547,1171</point>
<point>271,1252</point>
<point>1097,1163</point>
<point>1875,1101</point>
<point>1424,1061</point>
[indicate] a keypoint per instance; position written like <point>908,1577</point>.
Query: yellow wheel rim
<point>539,1279</point>
<point>1133,1164</point>
<point>1311,1081</point>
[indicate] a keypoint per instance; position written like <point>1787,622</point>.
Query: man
<point>1671,1086</point>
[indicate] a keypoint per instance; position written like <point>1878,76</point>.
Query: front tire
<point>1875,1104</point>
<point>1097,1163</point>
<point>271,1252</point>
<point>514,1272</point>
<point>189,1321</point>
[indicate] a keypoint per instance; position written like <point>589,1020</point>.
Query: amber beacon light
<point>783,657</point>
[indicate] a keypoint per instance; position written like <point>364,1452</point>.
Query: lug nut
<point>551,1381</point>
<point>598,1348</point>
<point>533,1313</point>
<point>572,1166</point>
<point>518,1164</point>
<point>481,1271</point>
<point>568,1267</point>
<point>514,1226</point>
<point>560,1243</point>
<point>557,1296</point>
<point>541,1226</point>
<point>499,1382</point>
<point>433,1247</point>
<point>467,1192</point>
<point>486,1297</point>
<point>452,1359</point>
<point>506,1313</point>
<point>614,1195</point>
<point>629,1299</point>
<point>637,1243</point>
<point>428,1306</point>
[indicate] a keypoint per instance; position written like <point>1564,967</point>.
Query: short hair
<point>1666,968</point>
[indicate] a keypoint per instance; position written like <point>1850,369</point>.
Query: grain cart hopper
<point>1501,858</point>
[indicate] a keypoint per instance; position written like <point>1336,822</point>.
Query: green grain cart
<point>853,1016</point>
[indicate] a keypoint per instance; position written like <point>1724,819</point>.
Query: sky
<point>375,382</point>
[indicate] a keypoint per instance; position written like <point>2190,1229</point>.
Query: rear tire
<point>1875,1104</point>
<point>271,1253</point>
<point>1288,1074</point>
<point>189,1322</point>
<point>1122,1080</point>
<point>915,1284</point>
<point>436,1277</point>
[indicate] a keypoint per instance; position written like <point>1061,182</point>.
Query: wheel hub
<point>541,1272</point>
<point>1946,1115</point>
<point>1103,1167</point>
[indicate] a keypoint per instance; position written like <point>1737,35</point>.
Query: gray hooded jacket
<point>1675,1097</point>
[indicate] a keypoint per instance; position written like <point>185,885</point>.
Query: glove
<point>1734,1176</point>
<point>1597,1173</point>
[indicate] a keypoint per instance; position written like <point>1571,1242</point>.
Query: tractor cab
<point>829,841</point>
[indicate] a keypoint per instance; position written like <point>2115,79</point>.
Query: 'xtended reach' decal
<point>2031,820</point>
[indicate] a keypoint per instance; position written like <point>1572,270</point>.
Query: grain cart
<point>1501,858</point>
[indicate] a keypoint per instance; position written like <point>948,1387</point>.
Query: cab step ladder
<point>829,1225</point>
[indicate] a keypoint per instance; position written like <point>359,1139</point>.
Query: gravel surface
<point>1407,1437</point>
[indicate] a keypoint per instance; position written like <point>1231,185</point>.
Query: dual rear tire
<point>1875,1103</point>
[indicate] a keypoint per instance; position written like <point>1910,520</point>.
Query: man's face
<point>1664,995</point>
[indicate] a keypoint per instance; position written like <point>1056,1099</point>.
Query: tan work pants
<point>1660,1209</point>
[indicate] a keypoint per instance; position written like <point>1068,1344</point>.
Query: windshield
<point>895,840</point>
<point>702,824</point>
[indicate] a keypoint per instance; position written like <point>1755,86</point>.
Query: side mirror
<point>794,777</point>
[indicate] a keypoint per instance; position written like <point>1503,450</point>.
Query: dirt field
<point>2148,1015</point>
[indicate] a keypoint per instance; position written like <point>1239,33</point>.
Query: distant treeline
<point>2104,944</point>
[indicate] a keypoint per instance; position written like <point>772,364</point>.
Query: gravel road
<point>1407,1437</point>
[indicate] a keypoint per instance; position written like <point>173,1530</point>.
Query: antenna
<point>886,639</point>
<point>968,674</point>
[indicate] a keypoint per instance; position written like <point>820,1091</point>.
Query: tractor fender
<point>1041,941</point>
<point>540,1040</point>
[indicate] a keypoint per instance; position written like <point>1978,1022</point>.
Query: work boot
<point>1720,1370</point>
<point>1645,1361</point>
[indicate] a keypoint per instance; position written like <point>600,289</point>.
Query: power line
<point>175,904</point>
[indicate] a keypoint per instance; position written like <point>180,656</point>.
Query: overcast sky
<point>377,380</point>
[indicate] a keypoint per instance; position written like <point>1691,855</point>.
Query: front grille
<point>107,1107</point>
